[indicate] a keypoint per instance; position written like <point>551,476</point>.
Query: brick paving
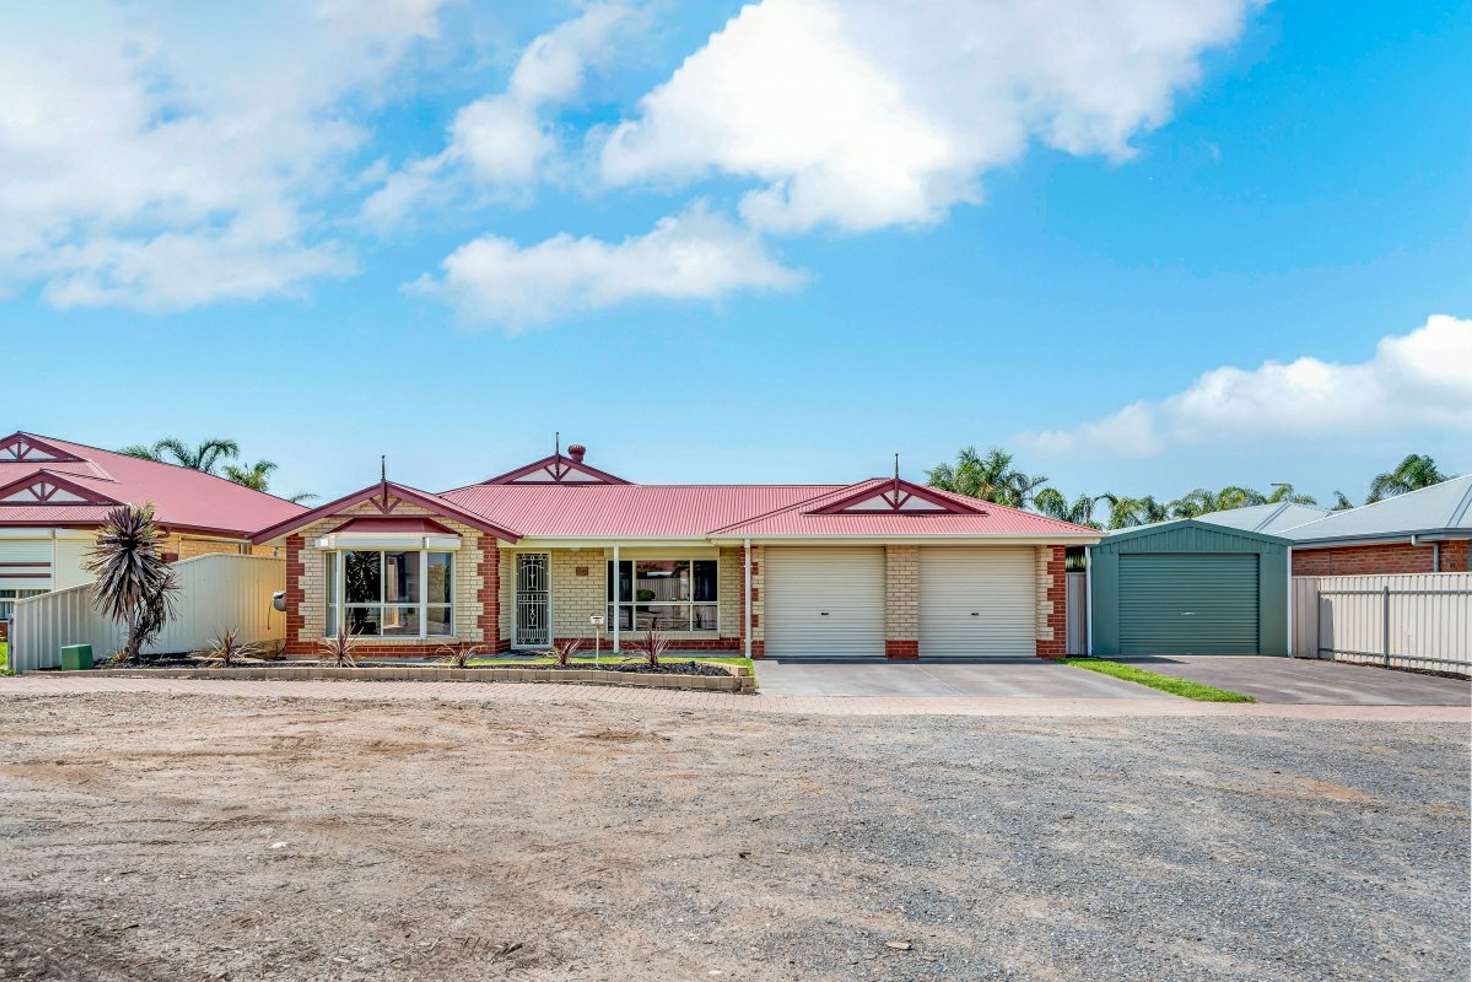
<point>46,684</point>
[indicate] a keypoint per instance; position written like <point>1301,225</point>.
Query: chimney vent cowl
<point>576,451</point>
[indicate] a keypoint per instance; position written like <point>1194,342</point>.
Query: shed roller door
<point>1188,604</point>
<point>978,602</point>
<point>25,564</point>
<point>824,602</point>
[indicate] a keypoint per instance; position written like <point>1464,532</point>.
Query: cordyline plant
<point>653,646</point>
<point>337,649</point>
<point>226,648</point>
<point>134,584</point>
<point>564,649</point>
<point>460,657</point>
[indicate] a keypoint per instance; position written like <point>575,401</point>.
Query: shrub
<point>653,646</point>
<point>337,649</point>
<point>459,657</point>
<point>563,651</point>
<point>225,649</point>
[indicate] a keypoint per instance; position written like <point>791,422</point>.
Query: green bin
<point>76,657</point>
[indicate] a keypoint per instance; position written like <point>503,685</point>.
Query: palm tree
<point>1202,501</point>
<point>1080,511</point>
<point>134,584</point>
<point>257,477</point>
<point>1342,502</point>
<point>1284,492</point>
<point>1127,512</point>
<point>1415,472</point>
<point>206,457</point>
<point>990,478</point>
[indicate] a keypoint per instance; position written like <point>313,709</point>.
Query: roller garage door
<point>824,602</point>
<point>978,602</point>
<point>1188,604</point>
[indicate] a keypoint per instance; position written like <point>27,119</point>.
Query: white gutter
<point>746,607</point>
<point>1089,600</point>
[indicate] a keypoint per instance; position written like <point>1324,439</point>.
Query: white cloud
<point>166,156</point>
<point>1414,381</point>
<point>507,141</point>
<point>695,255</point>
<point>868,113</point>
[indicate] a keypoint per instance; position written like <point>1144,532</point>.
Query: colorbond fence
<point>1415,620</point>
<point>216,592</point>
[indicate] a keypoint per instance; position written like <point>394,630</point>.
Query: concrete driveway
<point>1301,681</point>
<point>1025,679</point>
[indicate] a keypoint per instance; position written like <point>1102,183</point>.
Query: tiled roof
<point>181,497</point>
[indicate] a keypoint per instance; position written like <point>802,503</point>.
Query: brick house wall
<point>902,602</point>
<point>306,588</point>
<point>758,601</point>
<point>1392,557</point>
<point>1052,602</point>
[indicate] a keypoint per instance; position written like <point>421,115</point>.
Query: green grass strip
<point>608,658</point>
<point>1165,683</point>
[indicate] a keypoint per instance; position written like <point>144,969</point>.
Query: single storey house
<point>882,568</point>
<point>1425,531</point>
<point>55,494</point>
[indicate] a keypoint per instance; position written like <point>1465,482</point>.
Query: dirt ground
<point>149,837</point>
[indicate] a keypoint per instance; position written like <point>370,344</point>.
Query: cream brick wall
<point>730,583</point>
<point>901,593</point>
<point>1044,582</point>
<point>575,598</point>
<point>466,576</point>
<point>191,546</point>
<point>759,588</point>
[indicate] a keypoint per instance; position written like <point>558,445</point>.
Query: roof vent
<point>576,451</point>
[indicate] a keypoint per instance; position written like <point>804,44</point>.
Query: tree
<point>257,477</point>
<point>1284,492</point>
<point>1342,502</point>
<point>1203,501</point>
<point>1415,472</point>
<point>1079,511</point>
<point>134,584</point>
<point>990,478</point>
<point>1126,512</point>
<point>206,457</point>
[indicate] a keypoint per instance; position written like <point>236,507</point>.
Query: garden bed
<point>702,676</point>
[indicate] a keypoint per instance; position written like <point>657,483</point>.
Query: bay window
<point>665,594</point>
<point>390,594</point>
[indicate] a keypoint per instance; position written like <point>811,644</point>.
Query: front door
<point>533,611</point>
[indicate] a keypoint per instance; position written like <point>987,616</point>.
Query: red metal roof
<point>182,498</point>
<point>627,510</point>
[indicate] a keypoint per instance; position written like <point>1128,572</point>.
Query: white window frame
<point>610,607</point>
<point>336,607</point>
<point>8,597</point>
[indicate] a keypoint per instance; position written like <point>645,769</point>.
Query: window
<point>8,599</point>
<point>665,594</point>
<point>390,594</point>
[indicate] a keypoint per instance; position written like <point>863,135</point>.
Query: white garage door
<point>977,602</point>
<point>824,602</point>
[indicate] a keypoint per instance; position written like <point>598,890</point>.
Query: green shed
<point>1189,588</point>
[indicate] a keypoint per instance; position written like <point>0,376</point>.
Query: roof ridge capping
<point>1458,512</point>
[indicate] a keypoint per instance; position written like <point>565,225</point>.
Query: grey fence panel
<point>216,592</point>
<point>1413,620</point>
<point>1078,613</point>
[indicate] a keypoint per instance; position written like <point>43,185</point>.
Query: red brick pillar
<point>490,593</point>
<point>296,619</point>
<point>1056,593</point>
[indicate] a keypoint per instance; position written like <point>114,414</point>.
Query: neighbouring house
<point>55,494</point>
<point>1425,531</point>
<point>557,549</point>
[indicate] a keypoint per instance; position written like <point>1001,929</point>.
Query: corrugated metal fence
<point>1078,613</point>
<point>216,592</point>
<point>1415,620</point>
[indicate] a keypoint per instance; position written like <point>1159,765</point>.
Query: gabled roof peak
<point>22,448</point>
<point>559,468</point>
<point>898,496</point>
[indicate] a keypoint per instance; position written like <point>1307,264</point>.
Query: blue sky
<point>333,233</point>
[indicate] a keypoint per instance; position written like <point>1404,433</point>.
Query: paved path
<point>60,684</point>
<point>1306,681</point>
<point>997,679</point>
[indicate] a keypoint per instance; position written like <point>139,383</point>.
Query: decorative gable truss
<point>21,449</point>
<point>897,496</point>
<point>556,469</point>
<point>46,488</point>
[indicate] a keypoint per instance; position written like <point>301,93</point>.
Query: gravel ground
<point>193,837</point>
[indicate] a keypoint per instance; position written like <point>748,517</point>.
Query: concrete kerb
<point>737,678</point>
